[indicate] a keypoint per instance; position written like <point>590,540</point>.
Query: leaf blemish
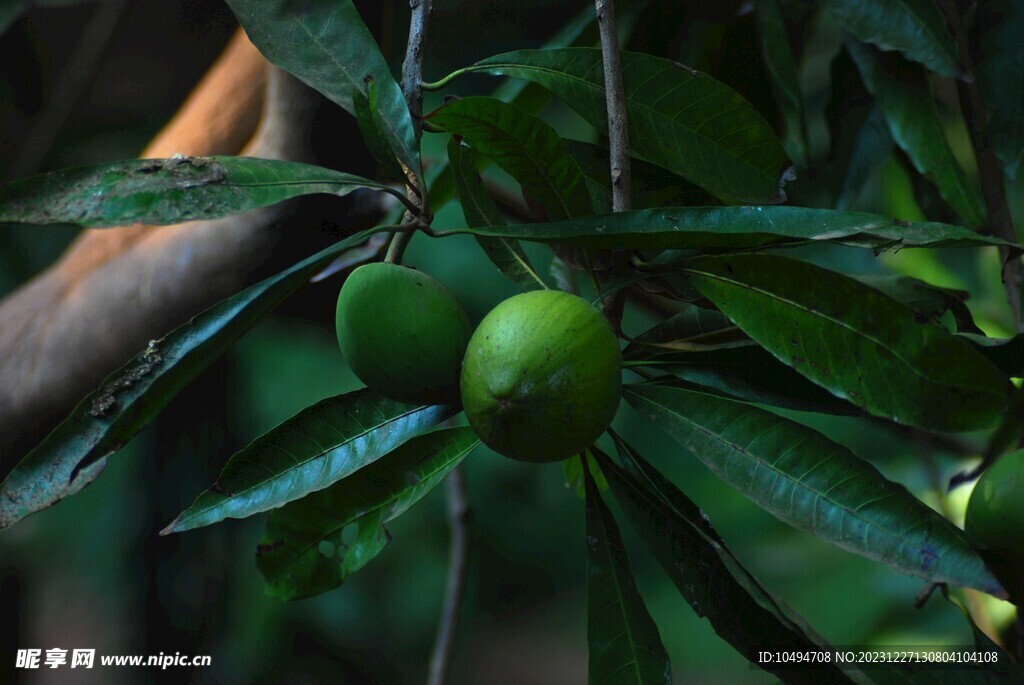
<point>106,401</point>
<point>929,556</point>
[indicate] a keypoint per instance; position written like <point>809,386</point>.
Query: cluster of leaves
<point>754,330</point>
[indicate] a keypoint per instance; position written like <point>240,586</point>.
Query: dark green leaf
<point>315,448</point>
<point>736,228</point>
<point>871,148</point>
<point>479,209</point>
<point>524,146</point>
<point>527,96</point>
<point>624,643</point>
<point>374,130</point>
<point>749,373</point>
<point>928,302</point>
<point>680,119</point>
<point>1000,72</point>
<point>653,186</point>
<point>694,322</point>
<point>703,569</point>
<point>855,341</point>
<point>291,555</point>
<point>914,27</point>
<point>778,58</point>
<point>1007,354</point>
<point>813,484</point>
<point>326,45</point>
<point>902,92</point>
<point>166,191</point>
<point>73,454</point>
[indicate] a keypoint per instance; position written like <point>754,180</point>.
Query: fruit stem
<point>396,248</point>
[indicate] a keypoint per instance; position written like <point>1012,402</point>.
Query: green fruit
<point>402,333</point>
<point>542,376</point>
<point>995,512</point>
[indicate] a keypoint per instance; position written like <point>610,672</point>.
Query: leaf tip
<point>173,527</point>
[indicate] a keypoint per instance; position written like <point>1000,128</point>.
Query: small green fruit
<point>402,333</point>
<point>542,376</point>
<point>995,512</point>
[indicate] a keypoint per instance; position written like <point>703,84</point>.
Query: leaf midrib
<point>299,464</point>
<point>815,313</point>
<point>779,473</point>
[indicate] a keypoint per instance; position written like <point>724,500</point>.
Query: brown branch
<point>618,144</point>
<point>113,290</point>
<point>991,176</point>
<point>412,89</point>
<point>615,103</point>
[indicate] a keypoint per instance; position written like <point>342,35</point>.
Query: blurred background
<point>86,82</point>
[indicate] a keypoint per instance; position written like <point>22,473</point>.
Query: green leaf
<point>74,453</point>
<point>374,130</point>
<point>749,373</point>
<point>736,228</point>
<point>693,322</point>
<point>916,28</point>
<point>704,570</point>
<point>778,58</point>
<point>315,448</point>
<point>291,555</point>
<point>871,148</point>
<point>624,643</point>
<point>1006,354</point>
<point>480,210</point>
<point>326,45</point>
<point>1000,72</point>
<point>854,341</point>
<point>928,302</point>
<point>524,146</point>
<point>167,191</point>
<point>813,484</point>
<point>902,91</point>
<point>527,96</point>
<point>653,186</point>
<point>680,119</point>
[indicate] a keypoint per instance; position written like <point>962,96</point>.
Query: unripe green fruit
<point>402,333</point>
<point>542,376</point>
<point>995,512</point>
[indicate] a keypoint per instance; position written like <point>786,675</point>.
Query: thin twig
<point>412,89</point>
<point>991,176</point>
<point>458,516</point>
<point>618,143</point>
